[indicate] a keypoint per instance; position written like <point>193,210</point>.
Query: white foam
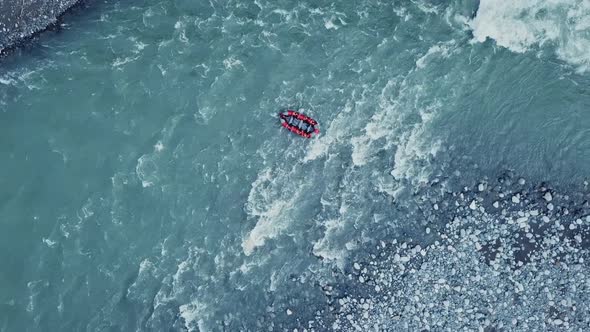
<point>159,146</point>
<point>145,266</point>
<point>139,45</point>
<point>414,148</point>
<point>336,132</point>
<point>232,62</point>
<point>192,314</point>
<point>7,81</point>
<point>86,210</point>
<point>146,170</point>
<point>328,248</point>
<point>317,148</point>
<point>122,61</point>
<point>361,150</point>
<point>285,14</point>
<point>442,49</point>
<point>412,143</point>
<point>329,24</point>
<point>269,225</point>
<point>266,204</point>
<point>522,25</point>
<point>426,8</point>
<point>49,243</point>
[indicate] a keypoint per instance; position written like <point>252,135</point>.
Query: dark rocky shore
<point>500,254</point>
<point>21,19</point>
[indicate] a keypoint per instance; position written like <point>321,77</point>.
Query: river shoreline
<point>19,31</point>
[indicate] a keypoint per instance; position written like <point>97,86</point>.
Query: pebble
<point>289,312</point>
<point>548,197</point>
<point>516,199</point>
<point>357,266</point>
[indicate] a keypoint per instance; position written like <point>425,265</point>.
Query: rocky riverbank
<point>22,19</point>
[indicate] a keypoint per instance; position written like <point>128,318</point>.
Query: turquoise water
<point>147,184</point>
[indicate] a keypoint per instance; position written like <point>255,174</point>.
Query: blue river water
<point>147,184</point>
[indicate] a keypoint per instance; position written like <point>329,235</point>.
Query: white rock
<point>472,206</point>
<point>289,312</point>
<point>435,206</point>
<point>516,199</point>
<point>481,187</point>
<point>548,197</point>
<point>496,204</point>
<point>550,206</point>
<point>357,266</point>
<point>521,181</point>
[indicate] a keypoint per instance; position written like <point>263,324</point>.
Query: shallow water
<point>148,186</point>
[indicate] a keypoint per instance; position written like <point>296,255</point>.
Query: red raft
<point>298,123</point>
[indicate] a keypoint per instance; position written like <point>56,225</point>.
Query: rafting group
<point>299,124</point>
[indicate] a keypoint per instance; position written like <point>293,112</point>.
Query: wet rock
<point>516,199</point>
<point>548,197</point>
